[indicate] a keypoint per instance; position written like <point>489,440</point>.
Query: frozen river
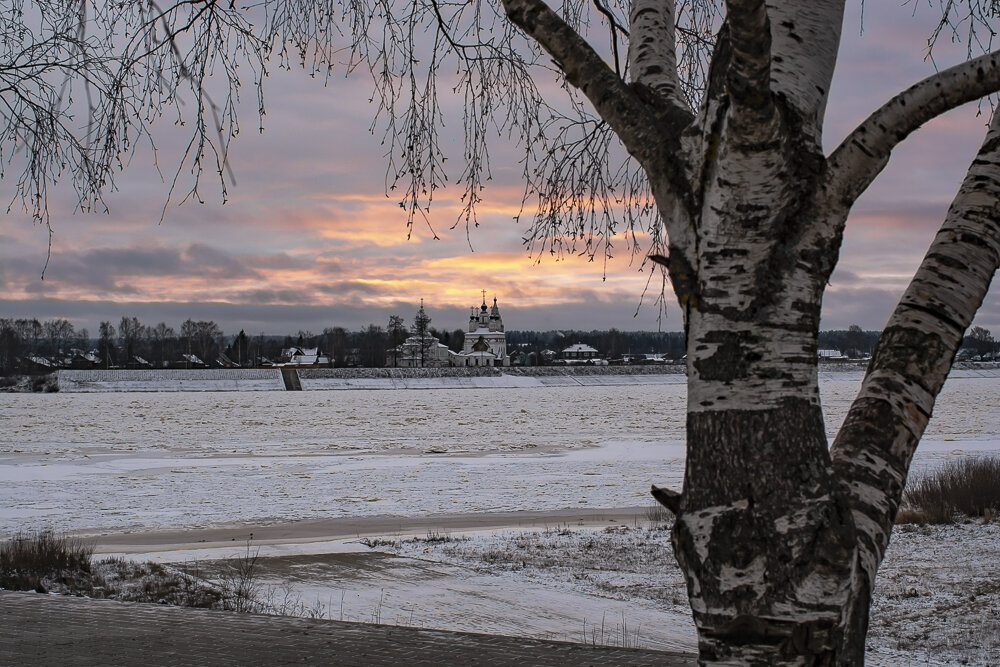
<point>112,462</point>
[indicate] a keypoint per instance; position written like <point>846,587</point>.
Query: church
<point>485,343</point>
<point>485,340</point>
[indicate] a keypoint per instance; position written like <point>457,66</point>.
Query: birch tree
<point>694,129</point>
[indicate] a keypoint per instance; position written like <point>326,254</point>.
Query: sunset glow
<point>309,237</point>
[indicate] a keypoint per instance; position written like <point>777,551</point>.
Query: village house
<point>580,353</point>
<point>303,356</point>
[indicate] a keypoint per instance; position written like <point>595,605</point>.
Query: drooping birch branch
<point>876,443</point>
<point>652,48</point>
<point>615,102</point>
<point>864,153</point>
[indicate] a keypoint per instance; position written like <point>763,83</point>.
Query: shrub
<point>29,558</point>
<point>969,486</point>
<point>240,582</point>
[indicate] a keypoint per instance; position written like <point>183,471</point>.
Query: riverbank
<point>326,379</point>
<point>322,379</point>
<point>606,576</point>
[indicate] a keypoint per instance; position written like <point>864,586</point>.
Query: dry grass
<point>968,486</point>
<point>28,559</point>
<point>240,582</point>
<point>658,515</point>
<point>48,563</point>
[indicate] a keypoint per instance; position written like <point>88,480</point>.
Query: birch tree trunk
<point>779,540</point>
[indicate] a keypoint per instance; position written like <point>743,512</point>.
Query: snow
<point>922,613</point>
<point>129,461</point>
<point>324,379</point>
<point>937,596</point>
<point>111,463</point>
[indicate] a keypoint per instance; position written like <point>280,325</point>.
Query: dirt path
<point>347,531</point>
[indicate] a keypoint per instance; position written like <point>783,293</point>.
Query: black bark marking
<point>732,359</point>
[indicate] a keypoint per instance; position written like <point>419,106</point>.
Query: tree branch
<point>613,28</point>
<point>652,48</point>
<point>805,38</point>
<point>876,443</point>
<point>619,106</point>
<point>748,79</point>
<point>864,153</point>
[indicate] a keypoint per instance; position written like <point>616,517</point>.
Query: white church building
<point>485,344</point>
<point>485,340</point>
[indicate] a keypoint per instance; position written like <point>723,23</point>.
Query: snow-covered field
<point>139,461</point>
<point>115,463</point>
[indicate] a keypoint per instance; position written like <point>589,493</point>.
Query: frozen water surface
<point>114,461</point>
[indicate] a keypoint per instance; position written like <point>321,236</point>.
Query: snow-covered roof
<point>579,347</point>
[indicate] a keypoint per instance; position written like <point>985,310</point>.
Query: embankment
<point>315,379</point>
<point>318,379</point>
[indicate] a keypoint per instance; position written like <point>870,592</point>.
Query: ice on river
<point>127,461</point>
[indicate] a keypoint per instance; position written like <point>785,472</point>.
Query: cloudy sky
<point>309,239</point>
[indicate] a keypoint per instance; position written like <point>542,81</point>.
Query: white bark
<point>805,38</point>
<point>778,544</point>
<point>652,49</point>
<point>632,119</point>
<point>905,376</point>
<point>749,78</point>
<point>863,154</point>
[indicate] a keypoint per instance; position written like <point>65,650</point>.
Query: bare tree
<point>336,343</point>
<point>10,346</point>
<point>981,340</point>
<point>397,334</point>
<point>854,342</point>
<point>699,126</point>
<point>59,333</point>
<point>372,346</point>
<point>162,335</point>
<point>130,332</point>
<point>106,343</point>
<point>201,338</point>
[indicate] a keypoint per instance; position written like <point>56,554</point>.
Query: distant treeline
<point>28,345</point>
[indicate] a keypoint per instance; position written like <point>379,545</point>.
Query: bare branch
<point>972,22</point>
<point>652,48</point>
<point>748,79</point>
<point>616,103</point>
<point>864,153</point>
<point>613,28</point>
<point>880,434</point>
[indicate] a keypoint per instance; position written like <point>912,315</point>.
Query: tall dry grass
<point>968,486</point>
<point>29,557</point>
